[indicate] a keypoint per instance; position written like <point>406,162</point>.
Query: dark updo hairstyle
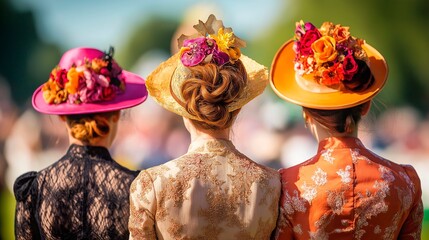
<point>339,121</point>
<point>88,127</point>
<point>209,92</point>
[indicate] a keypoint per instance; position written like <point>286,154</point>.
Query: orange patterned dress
<point>347,192</point>
<point>212,192</point>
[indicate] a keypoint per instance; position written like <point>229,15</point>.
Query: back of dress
<point>348,192</point>
<point>84,195</point>
<point>212,192</point>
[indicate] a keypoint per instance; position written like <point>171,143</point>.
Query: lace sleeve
<point>25,192</point>
<point>412,227</point>
<point>142,208</point>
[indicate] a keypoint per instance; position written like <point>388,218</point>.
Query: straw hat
<point>312,71</point>
<point>164,83</point>
<point>88,80</point>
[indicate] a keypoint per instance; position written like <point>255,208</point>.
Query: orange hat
<point>327,68</point>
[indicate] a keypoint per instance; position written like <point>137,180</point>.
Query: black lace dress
<point>84,195</point>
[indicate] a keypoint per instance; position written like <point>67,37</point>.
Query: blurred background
<point>34,34</point>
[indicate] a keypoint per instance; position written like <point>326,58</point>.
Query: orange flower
<point>60,97</point>
<point>332,75</point>
<point>73,83</point>
<point>50,89</point>
<point>326,28</point>
<point>234,53</point>
<point>324,49</point>
<point>341,33</point>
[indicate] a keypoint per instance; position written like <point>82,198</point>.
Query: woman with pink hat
<point>85,194</point>
<point>345,191</point>
<point>213,191</point>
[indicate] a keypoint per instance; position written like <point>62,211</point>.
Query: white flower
<point>345,174</point>
<point>319,177</point>
<point>327,155</point>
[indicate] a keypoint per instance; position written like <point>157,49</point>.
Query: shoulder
<point>24,184</point>
<point>411,175</point>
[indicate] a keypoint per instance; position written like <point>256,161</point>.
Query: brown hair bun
<point>210,90</point>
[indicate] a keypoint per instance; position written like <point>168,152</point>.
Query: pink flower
<point>103,81</point>
<point>305,42</point>
<point>195,50</point>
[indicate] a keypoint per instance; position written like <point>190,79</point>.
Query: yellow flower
<point>60,97</point>
<point>73,83</point>
<point>50,89</point>
<point>97,64</point>
<point>341,33</point>
<point>324,49</point>
<point>224,39</point>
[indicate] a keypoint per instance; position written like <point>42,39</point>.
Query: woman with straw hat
<point>345,191</point>
<point>213,191</point>
<point>85,194</point>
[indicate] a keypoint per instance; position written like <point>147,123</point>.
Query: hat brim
<point>158,85</point>
<point>135,94</point>
<point>283,83</point>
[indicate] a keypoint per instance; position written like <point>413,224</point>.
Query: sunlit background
<point>34,34</point>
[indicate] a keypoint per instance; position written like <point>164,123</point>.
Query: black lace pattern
<point>84,195</point>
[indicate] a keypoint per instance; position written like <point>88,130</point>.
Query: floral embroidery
<point>309,192</point>
<point>384,196</point>
<point>319,177</point>
<point>408,181</point>
<point>231,196</point>
<point>327,155</point>
<point>293,203</point>
<point>354,153</point>
<point>345,174</point>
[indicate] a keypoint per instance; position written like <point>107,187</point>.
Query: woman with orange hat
<point>213,191</point>
<point>345,191</point>
<point>85,194</point>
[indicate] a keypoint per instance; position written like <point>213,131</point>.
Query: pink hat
<point>88,80</point>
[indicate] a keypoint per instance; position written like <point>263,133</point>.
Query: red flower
<point>332,75</point>
<point>60,77</point>
<point>350,67</point>
<point>108,93</point>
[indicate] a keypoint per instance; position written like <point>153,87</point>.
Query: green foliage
<point>25,61</point>
<point>155,33</point>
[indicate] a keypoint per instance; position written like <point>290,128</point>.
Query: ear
<point>365,108</point>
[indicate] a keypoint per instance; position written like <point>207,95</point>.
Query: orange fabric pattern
<point>347,192</point>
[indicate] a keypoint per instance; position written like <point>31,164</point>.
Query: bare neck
<point>320,132</point>
<point>202,134</point>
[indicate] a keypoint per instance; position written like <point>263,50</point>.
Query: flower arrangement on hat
<point>214,43</point>
<point>330,54</point>
<point>86,81</point>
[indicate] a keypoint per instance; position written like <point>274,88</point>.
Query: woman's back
<point>84,195</point>
<point>212,192</point>
<point>347,192</point>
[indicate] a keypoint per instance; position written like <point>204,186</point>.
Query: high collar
<point>210,145</point>
<point>340,142</point>
<point>88,151</point>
